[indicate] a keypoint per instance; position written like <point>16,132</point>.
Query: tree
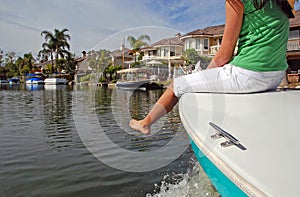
<point>99,60</point>
<point>111,70</point>
<point>68,64</point>
<point>9,64</point>
<point>25,65</point>
<point>10,57</point>
<point>11,70</point>
<point>137,43</point>
<point>56,43</point>
<point>191,56</point>
<point>46,52</point>
<point>1,57</point>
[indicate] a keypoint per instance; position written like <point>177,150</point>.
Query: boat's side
<point>3,81</point>
<point>14,81</point>
<point>55,81</point>
<point>265,124</point>
<point>34,81</point>
<point>222,183</point>
<point>132,84</point>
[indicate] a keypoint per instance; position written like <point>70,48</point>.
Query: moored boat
<point>133,78</point>
<point>34,79</point>
<point>55,81</point>
<point>133,84</point>
<point>3,81</point>
<point>14,80</point>
<point>246,143</point>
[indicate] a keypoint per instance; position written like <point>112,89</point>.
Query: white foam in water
<point>194,183</point>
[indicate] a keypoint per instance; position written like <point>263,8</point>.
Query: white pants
<point>227,79</point>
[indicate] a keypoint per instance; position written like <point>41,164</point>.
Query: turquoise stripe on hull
<point>223,184</point>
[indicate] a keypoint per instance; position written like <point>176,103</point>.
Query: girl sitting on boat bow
<point>261,28</point>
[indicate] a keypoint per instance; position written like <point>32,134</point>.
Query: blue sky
<point>95,24</point>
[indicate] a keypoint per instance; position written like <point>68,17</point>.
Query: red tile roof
<point>209,31</point>
<point>295,22</point>
<point>168,42</point>
<point>219,29</point>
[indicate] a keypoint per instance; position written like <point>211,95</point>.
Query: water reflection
<point>42,153</point>
<point>115,111</point>
<point>58,121</point>
<point>8,86</point>
<point>33,87</point>
<point>56,87</point>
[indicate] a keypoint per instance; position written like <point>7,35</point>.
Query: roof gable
<point>295,22</point>
<point>210,31</point>
<point>168,42</point>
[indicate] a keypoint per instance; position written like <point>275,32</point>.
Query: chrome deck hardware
<point>230,140</point>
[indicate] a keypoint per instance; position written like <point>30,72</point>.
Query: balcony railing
<point>293,44</point>
<point>146,57</point>
<point>214,49</point>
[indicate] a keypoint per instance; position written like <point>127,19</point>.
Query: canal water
<point>75,141</point>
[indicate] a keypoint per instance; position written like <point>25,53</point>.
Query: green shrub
<point>85,78</point>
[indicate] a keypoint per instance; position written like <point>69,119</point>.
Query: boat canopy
<point>131,70</point>
<point>30,75</point>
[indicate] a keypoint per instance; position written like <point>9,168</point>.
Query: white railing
<point>160,57</point>
<point>293,44</point>
<point>214,49</point>
<point>146,57</point>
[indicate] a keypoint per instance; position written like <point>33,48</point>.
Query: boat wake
<point>192,183</point>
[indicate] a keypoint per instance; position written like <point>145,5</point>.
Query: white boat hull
<point>132,84</point>
<point>3,81</point>
<point>55,81</point>
<point>266,124</point>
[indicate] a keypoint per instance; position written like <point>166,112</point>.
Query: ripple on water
<point>193,183</point>
<point>42,154</point>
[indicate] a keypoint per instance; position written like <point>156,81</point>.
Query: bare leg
<point>164,104</point>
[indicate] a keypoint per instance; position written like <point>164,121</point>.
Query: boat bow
<point>264,125</point>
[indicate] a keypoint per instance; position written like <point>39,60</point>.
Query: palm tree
<point>56,43</point>
<point>46,52</point>
<point>137,43</point>
<point>24,64</point>
<point>62,46</point>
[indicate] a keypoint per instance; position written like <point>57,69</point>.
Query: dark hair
<point>283,4</point>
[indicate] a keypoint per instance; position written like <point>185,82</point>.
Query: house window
<point>172,51</point>
<point>198,43</point>
<point>152,53</point>
<point>187,45</point>
<point>166,52</point>
<point>192,43</point>
<point>205,44</point>
<point>294,34</point>
<point>159,52</point>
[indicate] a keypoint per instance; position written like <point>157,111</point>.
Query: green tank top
<point>263,38</point>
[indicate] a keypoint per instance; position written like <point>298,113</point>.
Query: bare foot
<point>140,126</point>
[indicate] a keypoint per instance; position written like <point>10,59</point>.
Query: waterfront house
<point>205,41</point>
<point>293,47</point>
<point>123,57</point>
<point>167,51</point>
<point>293,50</point>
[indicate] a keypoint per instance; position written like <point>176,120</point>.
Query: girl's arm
<point>233,24</point>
